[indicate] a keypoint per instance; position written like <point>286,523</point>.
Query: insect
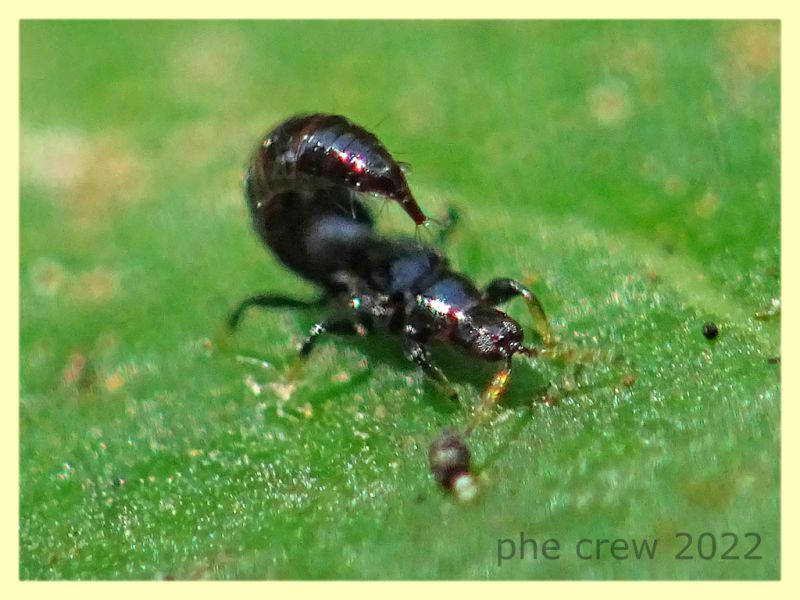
<point>304,190</point>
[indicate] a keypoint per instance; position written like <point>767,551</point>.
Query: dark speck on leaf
<point>710,330</point>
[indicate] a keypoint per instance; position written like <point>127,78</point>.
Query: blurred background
<point>627,171</point>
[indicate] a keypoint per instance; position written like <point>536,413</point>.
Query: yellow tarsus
<point>490,397</point>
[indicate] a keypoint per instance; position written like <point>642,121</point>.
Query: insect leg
<point>503,289</point>
<point>339,327</point>
<point>342,327</point>
<point>490,397</point>
<point>269,301</point>
<point>417,353</point>
<point>449,455</point>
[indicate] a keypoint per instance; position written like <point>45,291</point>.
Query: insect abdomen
<point>322,150</point>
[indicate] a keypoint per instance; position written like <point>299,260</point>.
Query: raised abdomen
<point>322,150</point>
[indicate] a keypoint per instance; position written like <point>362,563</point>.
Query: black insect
<point>304,188</point>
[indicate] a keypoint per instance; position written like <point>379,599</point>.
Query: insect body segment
<point>303,205</point>
<point>321,150</point>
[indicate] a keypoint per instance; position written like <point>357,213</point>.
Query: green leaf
<point>629,171</point>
